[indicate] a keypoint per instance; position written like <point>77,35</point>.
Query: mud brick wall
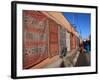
<point>34,38</point>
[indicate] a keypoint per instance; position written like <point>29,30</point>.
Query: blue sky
<point>81,21</point>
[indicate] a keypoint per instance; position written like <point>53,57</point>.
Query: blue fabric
<point>87,47</point>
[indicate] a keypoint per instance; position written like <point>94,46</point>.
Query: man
<point>62,55</point>
<point>63,52</point>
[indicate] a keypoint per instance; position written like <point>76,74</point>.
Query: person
<point>82,50</point>
<point>87,46</point>
<point>63,52</point>
<point>63,55</point>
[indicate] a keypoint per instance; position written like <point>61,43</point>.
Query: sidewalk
<point>49,62</point>
<point>71,58</point>
<point>68,61</point>
<point>56,62</point>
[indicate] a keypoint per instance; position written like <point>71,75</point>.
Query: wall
<point>35,38</point>
<point>5,40</point>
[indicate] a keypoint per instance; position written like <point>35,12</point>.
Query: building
<point>45,34</point>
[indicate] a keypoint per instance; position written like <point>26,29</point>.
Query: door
<point>68,40</point>
<point>62,38</point>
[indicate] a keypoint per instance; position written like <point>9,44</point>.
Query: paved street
<point>82,60</point>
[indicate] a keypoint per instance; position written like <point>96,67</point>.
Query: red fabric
<point>37,15</point>
<point>53,38</point>
<point>32,57</point>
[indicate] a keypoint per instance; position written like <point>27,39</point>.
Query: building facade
<point>44,36</point>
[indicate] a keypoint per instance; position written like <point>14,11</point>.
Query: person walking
<point>63,55</point>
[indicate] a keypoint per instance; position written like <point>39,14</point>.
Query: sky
<point>81,21</point>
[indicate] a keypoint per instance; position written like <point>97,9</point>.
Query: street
<point>82,60</point>
<point>73,59</point>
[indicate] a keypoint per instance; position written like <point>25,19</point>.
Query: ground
<point>73,59</point>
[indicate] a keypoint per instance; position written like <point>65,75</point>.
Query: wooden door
<point>71,41</point>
